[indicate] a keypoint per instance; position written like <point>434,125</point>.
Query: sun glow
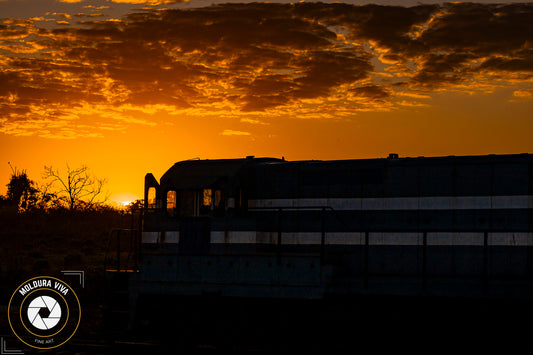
<point>124,199</point>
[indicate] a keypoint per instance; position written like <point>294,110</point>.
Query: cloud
<point>523,93</point>
<point>148,2</point>
<point>302,60</point>
<point>229,132</point>
<point>371,92</point>
<point>475,39</point>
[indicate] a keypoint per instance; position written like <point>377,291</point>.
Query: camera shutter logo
<point>44,312</point>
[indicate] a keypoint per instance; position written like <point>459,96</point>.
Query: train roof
<point>191,174</point>
<point>450,159</point>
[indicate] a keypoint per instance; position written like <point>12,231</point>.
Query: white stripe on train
<point>401,203</point>
<point>351,238</point>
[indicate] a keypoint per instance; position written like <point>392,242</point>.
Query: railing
<point>122,252</point>
<point>280,228</point>
<point>484,233</point>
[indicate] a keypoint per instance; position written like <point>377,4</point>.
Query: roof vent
<point>250,157</point>
<point>393,156</point>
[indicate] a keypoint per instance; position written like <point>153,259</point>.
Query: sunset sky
<point>129,87</point>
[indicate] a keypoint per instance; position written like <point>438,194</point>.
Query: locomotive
<point>264,227</point>
<point>271,229</point>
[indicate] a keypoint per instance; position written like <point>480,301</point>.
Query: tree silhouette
<point>135,205</point>
<point>21,191</point>
<point>77,189</point>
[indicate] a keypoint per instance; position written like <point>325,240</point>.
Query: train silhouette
<point>270,229</point>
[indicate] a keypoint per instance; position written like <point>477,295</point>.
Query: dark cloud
<point>259,56</point>
<point>173,49</point>
<point>447,43</point>
<point>373,92</point>
<point>15,28</point>
<point>387,26</point>
<point>475,38</point>
<point>326,70</point>
<point>520,63</point>
<point>483,29</point>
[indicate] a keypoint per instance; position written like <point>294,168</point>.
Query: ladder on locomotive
<point>121,263</point>
<point>122,251</point>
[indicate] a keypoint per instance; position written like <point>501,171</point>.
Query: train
<point>273,230</point>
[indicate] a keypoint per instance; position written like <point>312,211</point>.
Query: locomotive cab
<point>196,203</point>
<point>200,235</point>
<point>195,192</point>
<point>192,197</point>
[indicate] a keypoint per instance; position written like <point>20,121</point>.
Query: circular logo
<point>44,312</point>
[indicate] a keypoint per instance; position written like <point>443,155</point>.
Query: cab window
<point>152,198</point>
<point>207,201</point>
<point>171,201</point>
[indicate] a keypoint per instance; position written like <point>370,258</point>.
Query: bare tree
<point>77,189</point>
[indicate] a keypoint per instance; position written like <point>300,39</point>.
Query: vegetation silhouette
<point>48,227</point>
<point>21,191</point>
<point>75,189</point>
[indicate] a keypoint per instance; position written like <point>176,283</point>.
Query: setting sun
<point>124,199</point>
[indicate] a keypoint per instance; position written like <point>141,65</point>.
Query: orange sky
<point>133,91</point>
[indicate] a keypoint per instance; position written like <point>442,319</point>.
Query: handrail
<point>399,230</point>
<point>424,231</point>
<point>132,250</point>
<point>298,208</point>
